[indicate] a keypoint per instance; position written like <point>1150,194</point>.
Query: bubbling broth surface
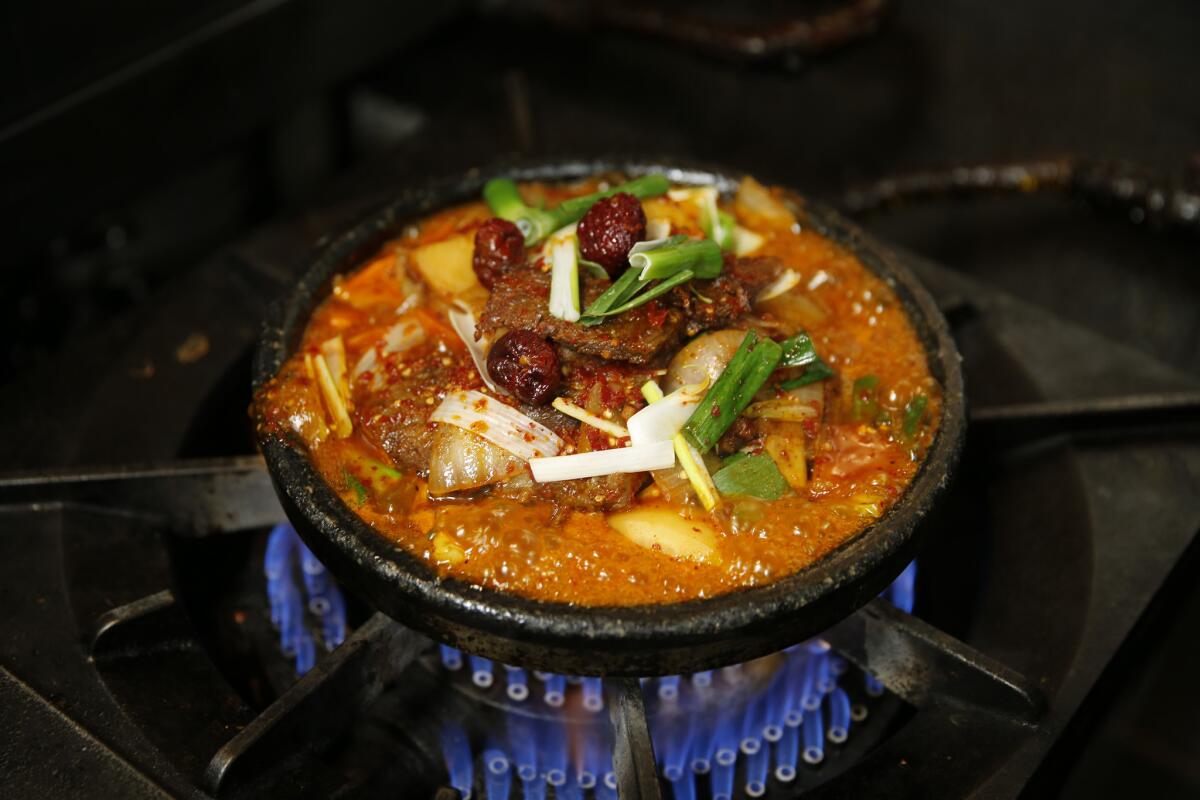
<point>825,447</point>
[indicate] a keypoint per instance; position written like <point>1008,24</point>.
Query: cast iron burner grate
<point>144,656</point>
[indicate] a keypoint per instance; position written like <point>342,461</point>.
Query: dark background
<point>136,140</point>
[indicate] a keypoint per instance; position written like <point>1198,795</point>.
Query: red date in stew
<point>526,365</point>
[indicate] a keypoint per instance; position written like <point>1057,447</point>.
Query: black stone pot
<point>637,640</point>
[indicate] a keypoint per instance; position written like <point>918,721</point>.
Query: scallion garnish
<point>913,413</point>
<point>816,371</point>
<point>754,476</point>
<point>798,351</point>
<point>360,491</point>
<point>564,279</point>
<point>717,225</point>
<point>621,290</point>
<point>745,374</point>
<point>593,269</point>
<point>689,459</point>
<point>661,288</point>
<point>700,256</point>
<point>505,201</point>
<point>864,398</point>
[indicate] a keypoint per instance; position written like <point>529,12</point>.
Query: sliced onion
<point>787,280</point>
<point>674,484</point>
<point>798,405</point>
<point>745,241</point>
<point>460,460</point>
<point>334,351</point>
<point>658,228</point>
<point>334,404</point>
<point>703,359</point>
<point>462,319</point>
<point>661,420</point>
<point>757,199</point>
<point>588,418</point>
<point>404,335</point>
<point>646,458</point>
<point>500,424</point>
<point>795,310</point>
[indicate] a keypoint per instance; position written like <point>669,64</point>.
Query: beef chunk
<point>519,300</point>
<point>603,493</point>
<point>753,272</point>
<point>724,301</point>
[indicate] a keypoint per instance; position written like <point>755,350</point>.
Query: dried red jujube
<point>526,365</point>
<point>609,229</point>
<point>499,246</point>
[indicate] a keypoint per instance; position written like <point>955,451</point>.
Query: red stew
<point>825,448</point>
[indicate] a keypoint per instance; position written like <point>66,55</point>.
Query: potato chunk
<point>665,530</point>
<point>446,265</point>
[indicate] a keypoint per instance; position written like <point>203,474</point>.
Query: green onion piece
<point>798,351</point>
<point>564,279</point>
<point>733,459</point>
<point>728,227</point>
<point>865,398</point>
<point>754,476</point>
<point>641,299</point>
<point>913,413</point>
<point>384,469</point>
<point>621,290</point>
<point>701,256</point>
<point>572,210</point>
<point>360,491</point>
<point>717,225</point>
<point>593,269</point>
<point>816,371</point>
<point>745,374</point>
<point>505,201</point>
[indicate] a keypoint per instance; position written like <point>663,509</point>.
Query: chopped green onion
<point>913,413</point>
<point>564,279</point>
<point>621,290</point>
<point>384,469</point>
<point>745,374</point>
<point>641,188</point>
<point>598,463</point>
<point>689,459</point>
<point>701,256</point>
<point>865,398</point>
<point>360,491</point>
<point>798,351</point>
<point>641,299</point>
<point>733,459</point>
<point>505,201</point>
<point>594,269</point>
<point>754,476</point>
<point>816,371</point>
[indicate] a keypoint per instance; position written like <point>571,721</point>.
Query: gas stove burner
<point>320,599</point>
<point>757,721</point>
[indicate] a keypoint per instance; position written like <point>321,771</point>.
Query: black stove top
<point>143,648</point>
<point>137,652</point>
